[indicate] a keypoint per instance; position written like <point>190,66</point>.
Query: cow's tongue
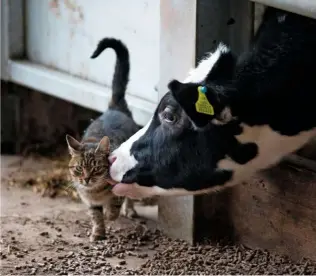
<point>129,190</point>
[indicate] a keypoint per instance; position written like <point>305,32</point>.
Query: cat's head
<point>89,164</point>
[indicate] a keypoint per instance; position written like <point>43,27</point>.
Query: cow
<point>230,118</point>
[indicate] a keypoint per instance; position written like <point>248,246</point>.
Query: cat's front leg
<point>128,209</point>
<point>112,207</point>
<point>98,229</point>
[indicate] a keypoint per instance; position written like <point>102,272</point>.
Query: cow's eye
<point>168,115</point>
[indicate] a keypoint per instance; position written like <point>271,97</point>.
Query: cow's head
<point>179,151</point>
<point>249,126</point>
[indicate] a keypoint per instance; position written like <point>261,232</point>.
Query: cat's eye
<point>79,168</point>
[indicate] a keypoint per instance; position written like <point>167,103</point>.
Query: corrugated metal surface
<point>62,34</point>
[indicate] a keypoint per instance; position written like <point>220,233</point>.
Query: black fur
<point>276,79</point>
<point>272,84</point>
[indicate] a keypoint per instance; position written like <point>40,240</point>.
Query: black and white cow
<point>264,108</point>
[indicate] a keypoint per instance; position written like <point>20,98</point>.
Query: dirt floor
<point>42,235</point>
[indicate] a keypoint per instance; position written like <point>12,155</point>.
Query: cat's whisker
<point>69,187</point>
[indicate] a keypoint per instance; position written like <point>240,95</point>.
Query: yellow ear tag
<point>202,105</point>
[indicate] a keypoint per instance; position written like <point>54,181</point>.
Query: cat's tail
<point>121,73</point>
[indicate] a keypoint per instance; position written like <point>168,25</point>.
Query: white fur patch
<point>124,160</point>
<point>224,117</point>
<point>199,73</point>
<point>272,147</point>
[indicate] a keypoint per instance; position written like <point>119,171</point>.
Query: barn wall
<point>34,122</point>
<point>46,46</point>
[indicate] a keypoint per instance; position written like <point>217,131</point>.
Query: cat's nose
<point>112,159</point>
<point>87,179</point>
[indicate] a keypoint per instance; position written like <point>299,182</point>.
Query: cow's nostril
<point>112,159</point>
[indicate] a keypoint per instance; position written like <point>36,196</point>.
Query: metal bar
<point>73,89</point>
<point>302,7</point>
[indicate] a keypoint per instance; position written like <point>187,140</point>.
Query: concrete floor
<point>24,215</point>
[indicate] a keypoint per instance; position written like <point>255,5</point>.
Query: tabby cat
<point>89,166</point>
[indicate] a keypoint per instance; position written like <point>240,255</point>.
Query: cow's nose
<point>112,159</point>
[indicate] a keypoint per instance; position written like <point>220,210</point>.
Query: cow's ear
<point>203,103</point>
<point>175,85</point>
<point>187,96</point>
<point>202,109</point>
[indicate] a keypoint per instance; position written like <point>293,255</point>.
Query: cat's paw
<point>112,215</point>
<point>129,213</point>
<point>97,236</point>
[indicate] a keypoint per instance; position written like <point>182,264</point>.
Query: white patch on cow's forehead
<point>204,67</point>
<point>124,160</point>
<point>272,147</point>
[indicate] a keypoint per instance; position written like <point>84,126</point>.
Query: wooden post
<point>229,21</point>
<point>189,29</point>
<point>177,57</point>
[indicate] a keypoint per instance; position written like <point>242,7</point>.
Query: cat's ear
<point>104,146</point>
<point>74,146</point>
